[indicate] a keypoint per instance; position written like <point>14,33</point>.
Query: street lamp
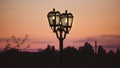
<point>61,25</point>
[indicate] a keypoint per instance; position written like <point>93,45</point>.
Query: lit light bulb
<point>65,20</point>
<point>53,17</point>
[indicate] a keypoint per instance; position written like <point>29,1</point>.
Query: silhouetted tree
<point>111,53</point>
<point>8,46</point>
<point>101,51</point>
<point>40,50</point>
<point>118,51</point>
<point>70,51</point>
<point>72,58</point>
<point>17,42</point>
<point>53,48</point>
<point>49,49</point>
<point>87,49</point>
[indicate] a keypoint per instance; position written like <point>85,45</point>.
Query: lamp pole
<point>61,25</point>
<point>61,47</point>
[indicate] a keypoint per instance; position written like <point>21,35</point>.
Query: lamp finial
<point>65,11</point>
<point>53,9</point>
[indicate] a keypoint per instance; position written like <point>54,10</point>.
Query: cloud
<point>116,46</point>
<point>90,39</point>
<point>111,37</point>
<point>109,41</point>
<point>38,41</point>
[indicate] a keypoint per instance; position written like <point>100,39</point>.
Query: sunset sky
<point>93,20</point>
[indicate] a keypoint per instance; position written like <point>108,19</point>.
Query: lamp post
<point>61,25</point>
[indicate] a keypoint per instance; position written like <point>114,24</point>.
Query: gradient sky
<point>93,20</point>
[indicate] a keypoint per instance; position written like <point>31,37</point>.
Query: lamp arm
<point>64,35</point>
<point>60,34</point>
<point>57,35</point>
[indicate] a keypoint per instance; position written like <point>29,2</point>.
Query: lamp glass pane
<point>64,21</point>
<point>51,20</point>
<point>70,22</point>
<point>57,19</point>
<point>54,19</point>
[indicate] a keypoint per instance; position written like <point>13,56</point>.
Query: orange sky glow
<point>93,20</point>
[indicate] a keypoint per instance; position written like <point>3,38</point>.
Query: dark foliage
<point>84,57</point>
